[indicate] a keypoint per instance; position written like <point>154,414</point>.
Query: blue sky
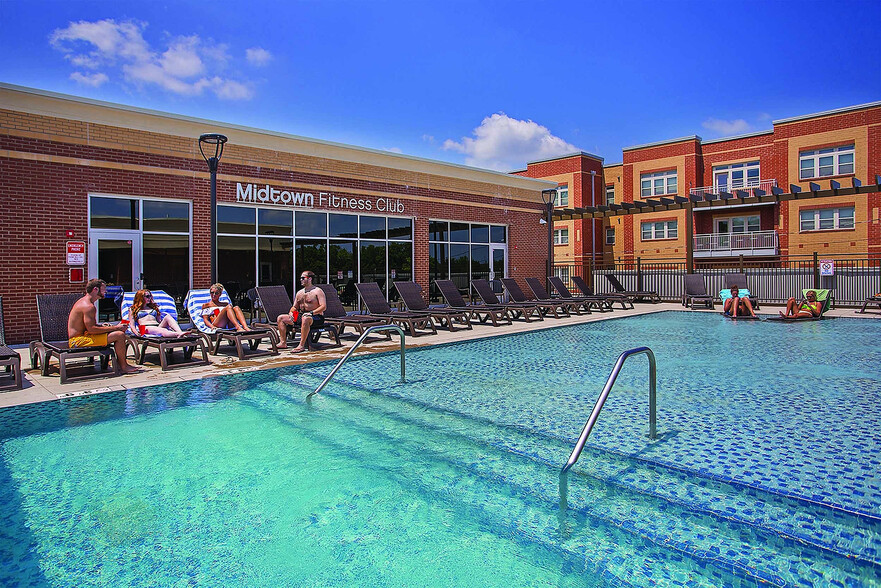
<point>490,84</point>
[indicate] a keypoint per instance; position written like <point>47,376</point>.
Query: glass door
<point>497,262</point>
<point>115,257</point>
<point>723,231</point>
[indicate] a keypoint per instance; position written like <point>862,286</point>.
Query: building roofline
<point>567,156</point>
<point>827,113</point>
<point>733,137</point>
<point>667,142</point>
<point>327,149</point>
<point>613,164</point>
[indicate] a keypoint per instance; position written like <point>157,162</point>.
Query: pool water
<point>765,470</point>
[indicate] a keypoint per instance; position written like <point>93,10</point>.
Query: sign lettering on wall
<point>266,194</point>
<point>76,253</point>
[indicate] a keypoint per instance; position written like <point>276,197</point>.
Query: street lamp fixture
<point>211,147</point>
<point>548,197</point>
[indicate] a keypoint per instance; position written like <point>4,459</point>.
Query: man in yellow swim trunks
<point>83,329</point>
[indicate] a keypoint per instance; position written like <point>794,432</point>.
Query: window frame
<point>669,178</point>
<point>561,236</point>
<point>816,219</point>
<point>561,192</point>
<point>815,157</point>
<point>610,194</point>
<point>670,230</point>
<point>610,232</point>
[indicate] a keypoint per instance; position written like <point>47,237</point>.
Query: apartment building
<point>836,145</point>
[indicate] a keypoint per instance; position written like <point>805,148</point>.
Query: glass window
<point>311,254</point>
<point>460,264</point>
<point>275,260</point>
<point>826,219</point>
<point>373,263</point>
<point>610,235</point>
<point>610,195</point>
<point>659,230</point>
<point>372,227</point>
<point>275,222</point>
<point>166,217</point>
<point>498,235</point>
<point>344,271</point>
<point>806,220</point>
<point>238,220</point>
<point>830,161</point>
<point>400,228</point>
<point>563,196</point>
<point>480,262</point>
<point>438,231</point>
<point>113,213</point>
<point>480,233</point>
<point>343,225</point>
<point>235,265</point>
<point>400,261</point>
<point>167,263</point>
<point>459,232</point>
<point>310,224</point>
<point>561,236</point>
<point>658,183</point>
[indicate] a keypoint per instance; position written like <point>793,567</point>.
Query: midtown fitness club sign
<point>255,194</point>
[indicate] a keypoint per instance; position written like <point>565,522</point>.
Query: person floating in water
<point>809,308</point>
<point>737,306</point>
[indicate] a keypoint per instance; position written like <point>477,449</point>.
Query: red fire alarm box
<point>77,275</point>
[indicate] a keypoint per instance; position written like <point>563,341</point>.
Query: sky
<point>481,83</point>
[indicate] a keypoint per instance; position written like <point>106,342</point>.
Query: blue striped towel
<point>160,297</point>
<point>194,301</point>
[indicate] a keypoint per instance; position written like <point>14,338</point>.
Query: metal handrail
<point>355,346</point>
<point>595,414</point>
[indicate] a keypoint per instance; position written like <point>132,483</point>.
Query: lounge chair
<point>517,310</point>
<point>337,316</point>
<point>824,297</point>
<point>482,312</point>
<point>739,280</point>
<point>600,303</point>
<point>546,306</point>
<point>634,295</point>
<point>696,292</point>
<point>9,357</point>
<point>377,306</point>
<point>274,301</point>
<point>194,301</point>
<point>189,342</point>
<point>611,297</point>
<point>569,305</point>
<point>411,294</point>
<point>54,311</point>
<point>874,299</point>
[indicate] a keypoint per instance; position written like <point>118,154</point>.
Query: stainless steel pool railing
<point>355,346</point>
<point>595,414</point>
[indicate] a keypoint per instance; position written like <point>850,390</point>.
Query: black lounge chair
<point>546,306</point>
<point>696,292</point>
<point>194,301</point>
<point>8,357</point>
<point>600,303</point>
<point>651,295</point>
<point>569,305</point>
<point>611,297</point>
<point>411,294</point>
<point>54,312</point>
<point>739,280</point>
<point>377,306</point>
<point>337,316</point>
<point>189,342</point>
<point>274,301</point>
<point>516,310</point>
<point>874,299</point>
<point>482,312</point>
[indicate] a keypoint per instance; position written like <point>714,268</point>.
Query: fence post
<point>741,263</point>
<point>639,273</point>
<point>816,272</point>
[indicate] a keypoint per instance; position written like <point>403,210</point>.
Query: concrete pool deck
<point>38,388</point>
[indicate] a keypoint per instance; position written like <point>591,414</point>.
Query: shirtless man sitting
<point>222,315</point>
<point>309,306</point>
<point>83,329</point>
<point>810,308</point>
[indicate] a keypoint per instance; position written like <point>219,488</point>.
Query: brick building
<point>132,185</point>
<point>835,145</point>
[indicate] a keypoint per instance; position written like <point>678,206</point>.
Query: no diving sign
<point>827,267</point>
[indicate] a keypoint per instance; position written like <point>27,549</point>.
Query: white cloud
<point>188,66</point>
<point>258,56</point>
<point>504,143</point>
<point>428,139</point>
<point>727,127</point>
<point>93,80</point>
<point>394,149</point>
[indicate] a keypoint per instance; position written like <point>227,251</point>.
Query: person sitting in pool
<point>736,305</point>
<point>810,307</point>
<point>83,329</point>
<point>222,315</point>
<point>147,314</point>
<point>307,313</point>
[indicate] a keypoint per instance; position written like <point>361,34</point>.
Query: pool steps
<point>751,512</point>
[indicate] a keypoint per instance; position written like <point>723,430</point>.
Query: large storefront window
<point>342,249</point>
<point>462,252</point>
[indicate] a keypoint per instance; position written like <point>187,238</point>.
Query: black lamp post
<point>213,142</point>
<point>548,197</point>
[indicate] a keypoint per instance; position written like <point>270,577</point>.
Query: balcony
<point>764,185</point>
<point>756,244</point>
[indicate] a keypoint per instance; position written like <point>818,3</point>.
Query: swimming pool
<point>766,467</point>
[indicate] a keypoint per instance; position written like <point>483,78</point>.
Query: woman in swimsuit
<point>811,307</point>
<point>146,313</point>
<point>221,315</point>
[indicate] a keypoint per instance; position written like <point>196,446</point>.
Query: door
<point>723,231</point>
<point>115,257</point>
<point>497,268</point>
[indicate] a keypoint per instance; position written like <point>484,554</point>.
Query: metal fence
<point>853,278</point>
